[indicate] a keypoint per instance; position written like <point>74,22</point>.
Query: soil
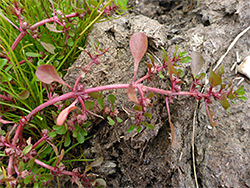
<point>146,159</point>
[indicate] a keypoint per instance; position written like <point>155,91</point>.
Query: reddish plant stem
<point>18,39</point>
<point>143,78</point>
<point>38,142</point>
<point>23,33</point>
<point>6,98</point>
<point>51,20</point>
<point>10,165</point>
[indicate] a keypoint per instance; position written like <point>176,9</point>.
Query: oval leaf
<point>97,162</point>
<point>49,47</point>
<point>197,63</point>
<point>64,114</point>
<point>24,94</point>
<point>27,149</point>
<point>224,102</point>
<point>138,44</point>
<point>214,79</point>
<point>48,74</point>
<point>52,27</point>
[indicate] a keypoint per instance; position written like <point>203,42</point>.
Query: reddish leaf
<point>138,44</point>
<point>197,63</point>
<point>131,94</point>
<point>171,70</point>
<point>173,139</point>
<point>48,74</point>
<point>220,70</point>
<point>214,79</point>
<point>224,102</point>
<point>64,114</point>
<point>210,117</point>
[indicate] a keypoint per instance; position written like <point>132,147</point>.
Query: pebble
<point>244,67</point>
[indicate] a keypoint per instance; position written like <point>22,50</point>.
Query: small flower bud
<point>81,118</point>
<point>25,26</point>
<point>33,153</point>
<point>9,151</point>
<point>45,132</point>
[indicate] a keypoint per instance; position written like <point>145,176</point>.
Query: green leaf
<point>2,63</point>
<point>214,79</point>
<point>111,121</point>
<point>27,149</point>
<point>131,128</point>
<point>83,132</point>
<point>111,98</point>
<point>67,140</point>
<point>100,103</point>
<point>89,105</point>
<point>180,73</point>
<point>52,134</point>
<point>62,130</point>
<point>95,95</point>
<point>186,59</point>
<point>240,91</point>
<point>119,120</point>
<point>24,94</point>
<point>138,129</point>
<point>151,58</point>
<point>33,54</point>
<point>75,134</point>
<point>49,47</point>
<point>164,55</point>
<point>70,42</point>
<point>137,107</point>
<point>224,101</point>
<point>122,3</point>
<point>200,76</point>
<point>71,33</point>
<point>28,179</point>
<point>150,95</point>
<point>86,124</point>
<point>149,126</point>
<point>182,54</point>
<point>80,138</point>
<point>148,115</point>
<point>160,74</point>
<point>243,98</point>
<point>52,27</point>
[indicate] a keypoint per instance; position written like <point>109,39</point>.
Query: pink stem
<point>143,78</point>
<point>18,39</point>
<point>51,20</point>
